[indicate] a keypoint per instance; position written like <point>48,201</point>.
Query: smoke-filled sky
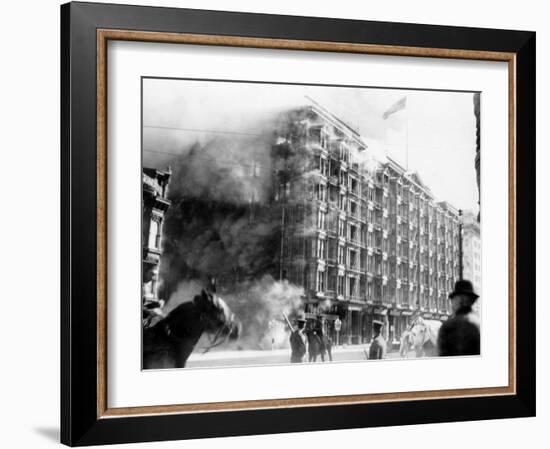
<point>436,129</point>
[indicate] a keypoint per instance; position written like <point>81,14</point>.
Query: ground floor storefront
<point>352,324</point>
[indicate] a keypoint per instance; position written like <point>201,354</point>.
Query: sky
<point>434,134</point>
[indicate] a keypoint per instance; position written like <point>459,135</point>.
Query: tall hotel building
<point>364,243</point>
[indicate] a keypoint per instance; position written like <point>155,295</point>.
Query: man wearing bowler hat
<point>298,341</point>
<point>377,348</point>
<point>460,334</point>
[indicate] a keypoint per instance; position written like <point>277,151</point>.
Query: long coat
<point>377,348</point>
<point>297,346</point>
<point>459,335</point>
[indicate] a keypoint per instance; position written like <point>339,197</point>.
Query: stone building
<point>471,256</point>
<point>366,240</point>
<point>477,160</point>
<point>155,203</point>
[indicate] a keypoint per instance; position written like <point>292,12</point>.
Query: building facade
<point>155,203</point>
<point>477,160</point>
<point>471,256</point>
<point>365,240</point>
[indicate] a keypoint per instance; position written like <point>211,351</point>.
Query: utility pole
<point>284,178</point>
<point>460,249</point>
<point>281,255</point>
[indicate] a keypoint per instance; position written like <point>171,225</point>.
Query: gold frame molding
<point>105,35</point>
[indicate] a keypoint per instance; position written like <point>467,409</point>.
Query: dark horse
<point>315,346</point>
<point>169,343</point>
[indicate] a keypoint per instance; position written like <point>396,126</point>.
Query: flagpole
<point>401,104</point>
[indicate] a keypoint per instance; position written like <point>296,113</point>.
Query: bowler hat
<point>464,287</point>
<point>377,323</point>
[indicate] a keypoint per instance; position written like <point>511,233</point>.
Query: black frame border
<point>80,424</point>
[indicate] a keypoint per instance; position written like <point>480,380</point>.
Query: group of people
<point>312,341</point>
<point>459,335</point>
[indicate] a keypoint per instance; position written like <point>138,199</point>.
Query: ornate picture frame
<point>86,418</point>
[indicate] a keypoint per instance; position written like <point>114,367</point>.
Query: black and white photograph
<point>275,224</point>
<point>291,223</point>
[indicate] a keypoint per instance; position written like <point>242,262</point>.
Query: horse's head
<point>217,317</point>
<point>424,336</point>
<point>419,334</point>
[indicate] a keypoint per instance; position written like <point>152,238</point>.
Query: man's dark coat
<point>459,335</point>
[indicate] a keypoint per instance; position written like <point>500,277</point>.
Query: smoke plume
<point>261,305</point>
<point>225,218</point>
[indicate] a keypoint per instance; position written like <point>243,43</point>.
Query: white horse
<point>406,343</point>
<point>424,337</point>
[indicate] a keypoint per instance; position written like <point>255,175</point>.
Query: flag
<point>395,107</point>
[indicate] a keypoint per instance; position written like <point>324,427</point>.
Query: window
<point>353,233</point>
<point>332,222</point>
<point>323,166</point>
<point>370,239</point>
<point>333,195</point>
<point>324,140</point>
<point>379,195</point>
<point>320,281</point>
<point>343,152</point>
<point>353,208</point>
<point>322,192</point>
<point>321,220</point>
<point>378,239</point>
<point>354,185</point>
<point>332,280</point>
<point>320,249</point>
<point>363,235</point>
<point>353,258</point>
<point>377,265</point>
<point>342,177</point>
<point>370,289</point>
<point>319,136</point>
<point>342,202</point>
<point>341,228</point>
<point>341,255</point>
<point>153,233</point>
<point>352,286</point>
<point>362,288</point>
<point>334,168</point>
<point>341,285</point>
<point>378,218</point>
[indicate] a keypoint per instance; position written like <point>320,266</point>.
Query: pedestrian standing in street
<point>377,348</point>
<point>328,345</point>
<point>326,340</point>
<point>298,342</point>
<point>459,335</point>
<point>322,340</point>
